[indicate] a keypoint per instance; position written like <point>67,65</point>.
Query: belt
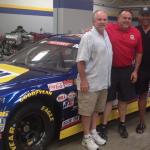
<point>122,67</point>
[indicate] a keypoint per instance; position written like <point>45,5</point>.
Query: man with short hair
<point>94,61</point>
<point>142,85</point>
<point>127,49</point>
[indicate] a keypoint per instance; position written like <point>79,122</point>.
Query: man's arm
<point>138,59</point>
<point>84,85</point>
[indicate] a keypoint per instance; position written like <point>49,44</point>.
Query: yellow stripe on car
<point>132,107</point>
<point>9,72</point>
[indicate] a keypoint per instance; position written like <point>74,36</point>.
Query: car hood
<point>10,72</point>
<point>11,75</point>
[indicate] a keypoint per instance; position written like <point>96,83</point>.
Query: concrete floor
<point>133,142</point>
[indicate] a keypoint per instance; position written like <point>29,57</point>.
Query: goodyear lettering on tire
<point>12,145</point>
<point>34,93</point>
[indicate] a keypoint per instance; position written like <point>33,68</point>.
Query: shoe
<point>123,131</point>
<point>103,131</point>
<point>140,128</point>
<point>98,140</point>
<point>89,143</point>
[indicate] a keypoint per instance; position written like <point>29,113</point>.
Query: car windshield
<point>46,56</point>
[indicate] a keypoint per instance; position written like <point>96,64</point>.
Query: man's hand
<point>84,86</point>
<point>134,76</point>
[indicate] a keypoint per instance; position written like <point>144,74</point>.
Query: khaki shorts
<point>91,102</point>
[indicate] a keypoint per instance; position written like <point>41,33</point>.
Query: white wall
<point>9,22</point>
<point>30,22</point>
<point>72,20</point>
<point>110,10</point>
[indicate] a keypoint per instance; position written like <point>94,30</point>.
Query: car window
<point>47,57</point>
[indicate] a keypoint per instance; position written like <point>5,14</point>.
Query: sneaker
<point>89,143</point>
<point>103,131</point>
<point>123,131</point>
<point>98,140</point>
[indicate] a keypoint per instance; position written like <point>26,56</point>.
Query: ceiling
<point>123,3</point>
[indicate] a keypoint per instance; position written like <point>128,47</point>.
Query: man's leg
<point>142,87</point>
<point>122,107</point>
<point>94,119</point>
<point>107,112</point>
<point>88,141</point>
<point>126,92</point>
<point>86,104</point>
<point>112,91</point>
<point>98,140</point>
<point>99,107</point>
<point>86,123</point>
<point>142,106</point>
<point>103,127</point>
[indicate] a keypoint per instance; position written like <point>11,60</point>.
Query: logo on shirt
<point>132,37</point>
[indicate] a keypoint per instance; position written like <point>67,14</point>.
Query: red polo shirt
<point>125,44</point>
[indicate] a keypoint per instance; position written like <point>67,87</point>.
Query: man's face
<point>145,20</point>
<point>125,20</point>
<point>100,21</point>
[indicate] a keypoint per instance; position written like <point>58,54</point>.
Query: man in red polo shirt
<point>127,53</point>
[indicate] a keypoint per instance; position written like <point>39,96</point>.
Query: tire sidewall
<point>47,116</point>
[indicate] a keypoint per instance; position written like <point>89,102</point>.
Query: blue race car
<point>38,95</point>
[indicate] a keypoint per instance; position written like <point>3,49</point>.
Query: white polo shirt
<point>96,50</point>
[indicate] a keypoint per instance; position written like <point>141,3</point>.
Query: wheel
<point>30,128</point>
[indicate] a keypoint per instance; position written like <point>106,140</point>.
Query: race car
<point>38,94</point>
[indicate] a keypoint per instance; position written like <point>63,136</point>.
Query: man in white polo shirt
<point>94,62</point>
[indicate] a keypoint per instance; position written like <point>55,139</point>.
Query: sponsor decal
<point>68,83</point>
<point>132,37</point>
<point>59,43</point>
<point>70,121</point>
<point>2,124</point>
<point>60,85</point>
<point>3,113</point>
<point>34,93</point>
<point>67,104</point>
<point>61,97</point>
<point>56,86</point>
<point>72,95</point>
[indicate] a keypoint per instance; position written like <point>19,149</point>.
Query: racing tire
<point>31,127</point>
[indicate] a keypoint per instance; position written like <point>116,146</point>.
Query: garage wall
<point>33,15</point>
<point>112,11</point>
<point>69,21</point>
<point>72,16</point>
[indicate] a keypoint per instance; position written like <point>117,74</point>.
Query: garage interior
<point>42,18</point>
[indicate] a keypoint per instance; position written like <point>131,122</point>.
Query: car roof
<point>71,38</point>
